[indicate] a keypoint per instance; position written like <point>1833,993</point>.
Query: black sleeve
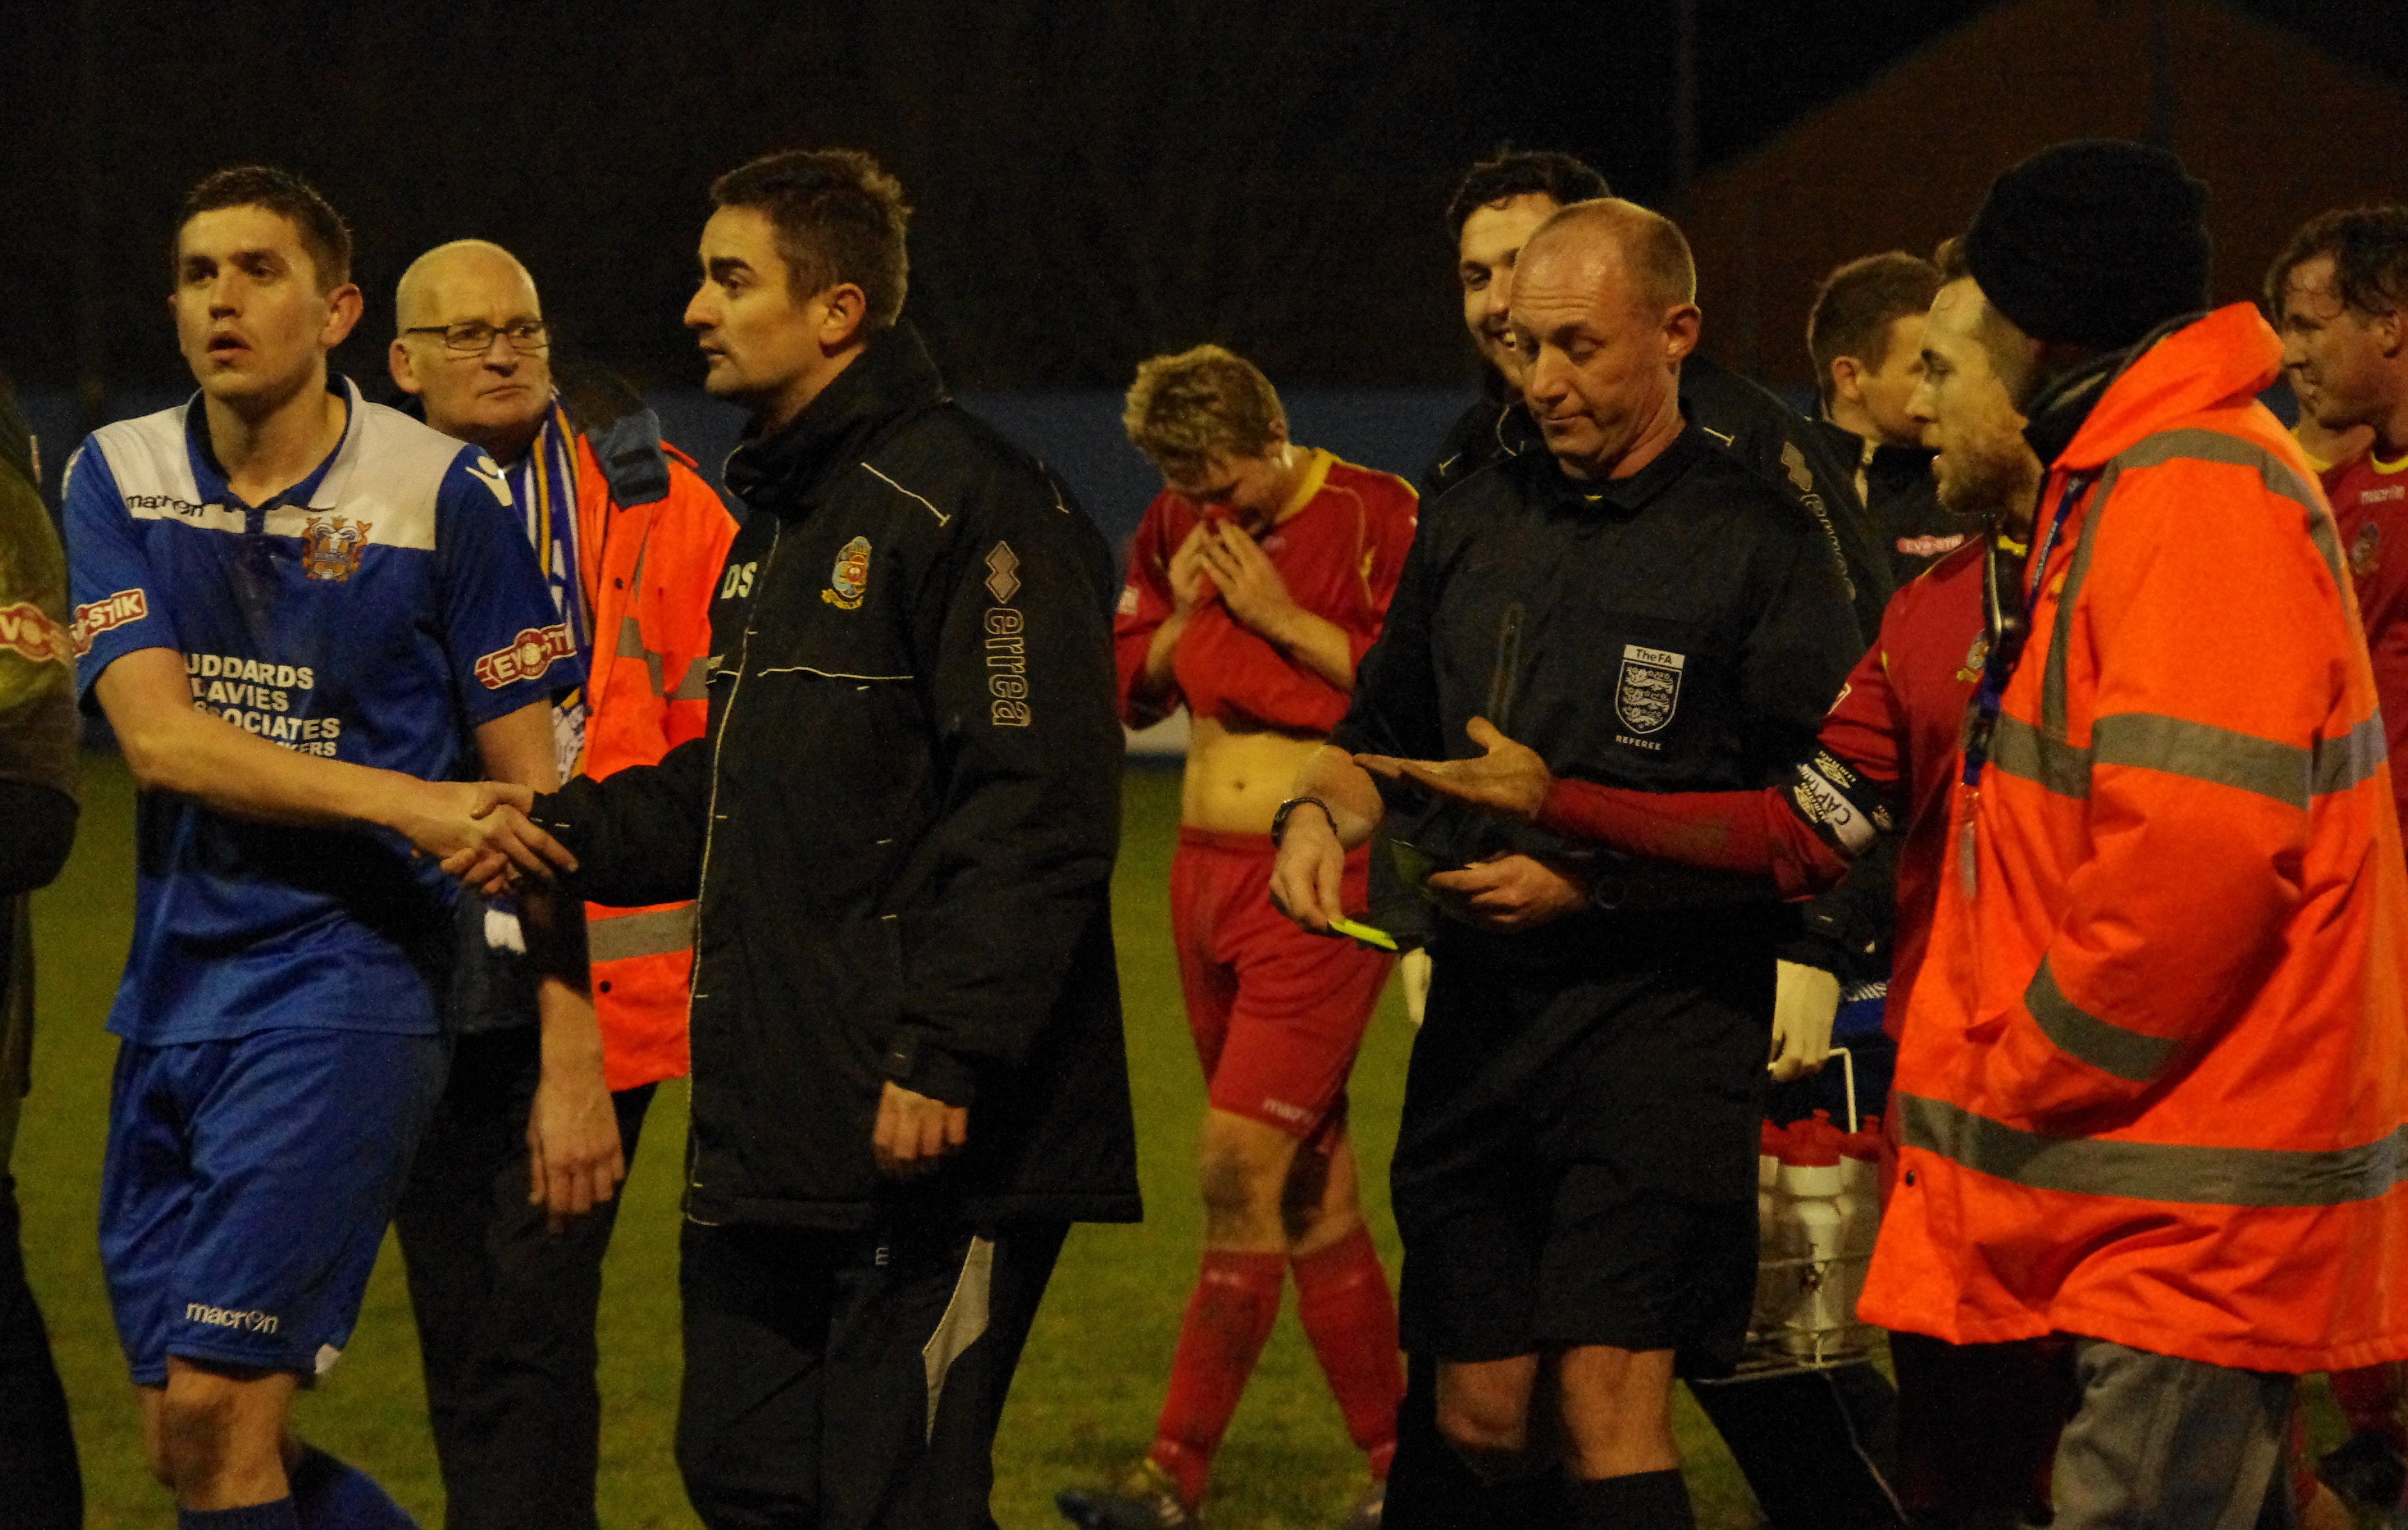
<point>1783,448</point>
<point>1797,655</point>
<point>42,830</point>
<point>1016,630</point>
<point>637,837</point>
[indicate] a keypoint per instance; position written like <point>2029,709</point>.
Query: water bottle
<point>1813,1184</point>
<point>1776,1289</point>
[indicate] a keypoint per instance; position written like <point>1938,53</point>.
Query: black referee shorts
<point>1576,1164</point>
<point>1595,1264</point>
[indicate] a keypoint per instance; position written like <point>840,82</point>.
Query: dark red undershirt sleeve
<point>1749,832</point>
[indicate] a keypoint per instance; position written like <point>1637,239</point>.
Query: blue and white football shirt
<point>376,611</point>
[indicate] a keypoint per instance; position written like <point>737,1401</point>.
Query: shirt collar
<point>1637,491</point>
<point>210,479</point>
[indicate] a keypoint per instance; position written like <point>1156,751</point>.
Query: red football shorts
<point>1277,1013</point>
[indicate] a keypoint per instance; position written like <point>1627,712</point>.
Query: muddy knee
<point>1243,1166</point>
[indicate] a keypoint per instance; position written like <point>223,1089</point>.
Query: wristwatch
<point>1279,819</point>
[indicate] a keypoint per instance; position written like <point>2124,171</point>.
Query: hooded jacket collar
<point>2223,359</point>
<point>892,378</point>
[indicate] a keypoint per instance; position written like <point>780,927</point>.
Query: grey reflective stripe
<point>696,687</point>
<point>2152,1171</point>
<point>2328,539</point>
<point>2129,1054</point>
<point>2343,762</point>
<point>631,645</point>
<point>2279,478</point>
<point>2200,445</point>
<point>2188,444</point>
<point>2202,752</point>
<point>2018,748</point>
<point>656,932</point>
<point>2052,679</point>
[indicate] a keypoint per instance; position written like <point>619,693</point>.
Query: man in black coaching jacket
<point>907,1068</point>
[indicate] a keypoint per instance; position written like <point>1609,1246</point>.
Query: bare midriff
<point>1236,780</point>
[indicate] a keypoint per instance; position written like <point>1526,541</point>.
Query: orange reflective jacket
<point>2151,1088</point>
<point>649,573</point>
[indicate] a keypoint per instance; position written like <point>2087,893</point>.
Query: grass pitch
<point>1085,1402</point>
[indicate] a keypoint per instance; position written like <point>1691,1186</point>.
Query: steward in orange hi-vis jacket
<point>654,534</point>
<point>2154,1074</point>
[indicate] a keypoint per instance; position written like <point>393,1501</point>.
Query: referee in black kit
<point>1574,1175</point>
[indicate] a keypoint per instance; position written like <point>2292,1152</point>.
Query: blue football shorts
<point>247,1187</point>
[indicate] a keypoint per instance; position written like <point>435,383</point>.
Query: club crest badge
<point>1650,688</point>
<point>1975,658</point>
<point>2366,550</point>
<point>851,576</point>
<point>330,548</point>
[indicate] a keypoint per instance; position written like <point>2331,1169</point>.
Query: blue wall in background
<point>1077,434</point>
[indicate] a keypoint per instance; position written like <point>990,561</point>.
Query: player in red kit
<point>1257,579</point>
<point>2337,293</point>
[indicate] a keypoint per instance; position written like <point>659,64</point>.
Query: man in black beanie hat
<point>2150,1082</point>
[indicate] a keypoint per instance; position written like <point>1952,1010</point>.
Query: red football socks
<point>1228,1319</point>
<point>1342,1298</point>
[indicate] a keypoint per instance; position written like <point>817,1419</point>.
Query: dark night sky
<point>1095,182</point>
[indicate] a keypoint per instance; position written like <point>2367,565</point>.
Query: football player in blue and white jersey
<point>300,613</point>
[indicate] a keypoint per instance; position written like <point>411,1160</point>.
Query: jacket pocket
<point>795,1096</point>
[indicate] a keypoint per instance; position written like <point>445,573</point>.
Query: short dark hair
<point>839,218</point>
<point>1856,304</point>
<point>2369,246</point>
<point>1511,172</point>
<point>324,234</point>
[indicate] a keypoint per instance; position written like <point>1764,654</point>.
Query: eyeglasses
<point>474,340</point>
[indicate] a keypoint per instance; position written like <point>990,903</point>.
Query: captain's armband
<point>1840,804</point>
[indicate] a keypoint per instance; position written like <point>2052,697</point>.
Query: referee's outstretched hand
<point>1507,779</point>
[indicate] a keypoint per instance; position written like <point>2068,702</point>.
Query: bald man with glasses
<point>630,540</point>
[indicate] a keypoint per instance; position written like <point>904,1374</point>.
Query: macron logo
<point>98,616</point>
<point>218,1317</point>
<point>529,655</point>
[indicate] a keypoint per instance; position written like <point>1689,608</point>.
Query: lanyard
<point>2011,630</point>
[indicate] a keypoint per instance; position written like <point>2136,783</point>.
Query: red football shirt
<point>2370,504</point>
<point>1899,722</point>
<point>1340,554</point>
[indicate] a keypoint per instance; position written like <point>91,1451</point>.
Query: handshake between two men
<point>496,848</point>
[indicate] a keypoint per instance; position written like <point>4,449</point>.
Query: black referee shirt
<point>1680,629</point>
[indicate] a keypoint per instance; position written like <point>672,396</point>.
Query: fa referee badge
<point>1650,688</point>
<point>851,576</point>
